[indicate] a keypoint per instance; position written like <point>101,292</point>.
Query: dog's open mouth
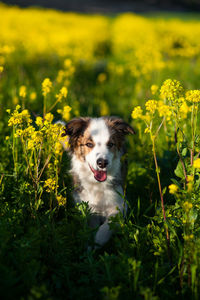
<point>99,175</point>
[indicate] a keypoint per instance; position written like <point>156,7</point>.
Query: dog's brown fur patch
<point>118,129</point>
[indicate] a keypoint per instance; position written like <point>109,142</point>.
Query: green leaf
<point>184,152</point>
<point>179,170</point>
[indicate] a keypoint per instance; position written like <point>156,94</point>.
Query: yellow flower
<point>193,96</point>
<point>65,112</point>
<point>1,69</point>
<point>58,148</point>
<point>187,206</point>
<point>48,118</point>
<point>63,93</point>
<point>39,121</point>
<point>46,86</point>
<point>154,89</point>
<point>101,77</point>
<point>147,130</point>
<point>173,188</point>
<point>196,163</point>
<point>61,200</point>
<point>164,110</point>
<point>183,110</point>
<point>151,106</point>
<point>19,118</point>
<point>137,113</point>
<point>33,96</point>
<point>67,63</point>
<point>15,100</point>
<point>171,90</point>
<point>22,91</point>
<point>104,109</point>
<point>50,185</point>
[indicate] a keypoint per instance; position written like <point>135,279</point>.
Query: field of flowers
<point>145,69</point>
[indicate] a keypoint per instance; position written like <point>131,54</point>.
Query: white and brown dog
<point>96,147</point>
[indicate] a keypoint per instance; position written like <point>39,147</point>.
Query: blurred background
<point>110,6</point>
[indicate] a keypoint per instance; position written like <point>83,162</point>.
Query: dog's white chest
<point>102,199</point>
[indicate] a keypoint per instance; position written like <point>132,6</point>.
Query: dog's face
<point>97,142</point>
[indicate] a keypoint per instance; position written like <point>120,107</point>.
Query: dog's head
<point>98,142</point>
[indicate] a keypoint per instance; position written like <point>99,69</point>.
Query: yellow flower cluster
<point>50,185</point>
<point>19,118</point>
<point>46,86</point>
<point>61,200</point>
<point>164,110</point>
<point>22,91</point>
<point>137,113</point>
<point>193,96</point>
<point>171,90</point>
<point>65,112</point>
<point>62,94</point>
<point>173,189</point>
<point>187,206</point>
<point>189,238</point>
<point>151,106</point>
<point>196,163</point>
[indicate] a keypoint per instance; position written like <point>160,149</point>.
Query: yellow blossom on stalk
<point>147,130</point>
<point>190,181</point>
<point>183,110</point>
<point>50,185</point>
<point>63,93</point>
<point>151,106</point>
<point>65,112</point>
<point>101,77</point>
<point>15,100</point>
<point>173,189</point>
<point>67,63</point>
<point>104,109</point>
<point>187,206</point>
<point>196,163</point>
<point>22,91</point>
<point>137,113</point>
<point>58,148</point>
<point>164,110</point>
<point>19,132</point>
<point>188,238</point>
<point>61,200</point>
<point>39,121</point>
<point>33,96</point>
<point>19,118</point>
<point>171,90</point>
<point>1,69</point>
<point>48,118</point>
<point>154,89</point>
<point>46,86</point>
<point>193,96</point>
<point>35,140</point>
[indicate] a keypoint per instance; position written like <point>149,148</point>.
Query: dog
<point>96,146</point>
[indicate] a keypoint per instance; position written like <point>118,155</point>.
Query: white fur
<point>104,198</point>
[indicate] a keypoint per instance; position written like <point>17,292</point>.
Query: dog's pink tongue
<point>100,175</point>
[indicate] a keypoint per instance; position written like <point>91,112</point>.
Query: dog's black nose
<point>102,163</point>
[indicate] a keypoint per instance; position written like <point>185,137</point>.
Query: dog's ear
<point>76,126</point>
<point>74,129</point>
<point>119,125</point>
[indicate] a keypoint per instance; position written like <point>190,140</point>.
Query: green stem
<point>160,189</point>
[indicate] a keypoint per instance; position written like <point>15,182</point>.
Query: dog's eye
<point>89,145</point>
<point>110,145</point>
